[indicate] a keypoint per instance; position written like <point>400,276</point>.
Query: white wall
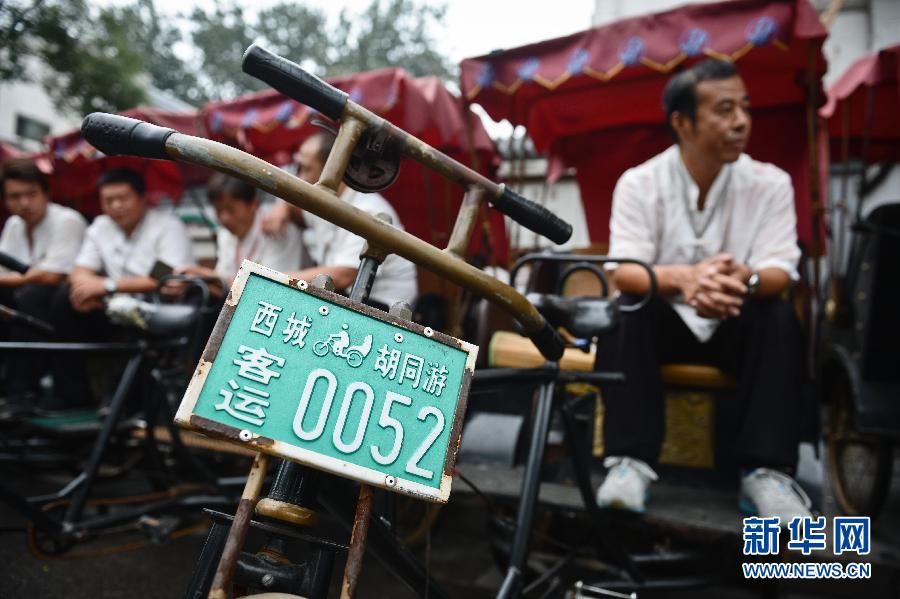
<point>30,100</point>
<point>563,199</point>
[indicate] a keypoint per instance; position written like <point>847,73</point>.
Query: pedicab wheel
<point>354,358</point>
<point>44,545</point>
<point>860,466</point>
<point>320,348</point>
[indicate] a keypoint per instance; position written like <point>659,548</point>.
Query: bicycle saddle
<point>583,316</point>
<point>157,319</point>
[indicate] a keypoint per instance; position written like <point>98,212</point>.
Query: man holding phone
<point>122,246</point>
<point>122,249</point>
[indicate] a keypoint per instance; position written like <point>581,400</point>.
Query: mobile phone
<point>160,269</point>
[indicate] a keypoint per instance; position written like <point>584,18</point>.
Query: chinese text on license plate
<point>306,375</point>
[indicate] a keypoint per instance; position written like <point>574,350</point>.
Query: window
<point>30,128</point>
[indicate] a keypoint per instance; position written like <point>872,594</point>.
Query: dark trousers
<point>70,381</point>
<point>24,370</point>
<point>761,349</point>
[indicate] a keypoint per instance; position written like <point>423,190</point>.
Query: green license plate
<point>307,375</point>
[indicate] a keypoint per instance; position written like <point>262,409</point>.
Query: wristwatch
<point>752,284</point>
<point>110,286</point>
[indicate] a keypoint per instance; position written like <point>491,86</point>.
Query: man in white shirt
<point>120,250</point>
<point>719,229</point>
<point>240,236</point>
<point>45,237</point>
<point>335,250</point>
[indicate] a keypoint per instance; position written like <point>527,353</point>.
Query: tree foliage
<point>103,57</point>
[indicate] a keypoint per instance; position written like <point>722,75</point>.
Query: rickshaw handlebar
<point>293,81</point>
<point>114,134</point>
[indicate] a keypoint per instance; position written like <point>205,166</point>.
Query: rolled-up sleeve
<point>631,230</point>
<point>775,245</point>
<point>89,255</point>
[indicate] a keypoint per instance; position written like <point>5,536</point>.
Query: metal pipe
<point>465,222</point>
<point>340,154</point>
<point>531,484</point>
<point>422,153</point>
<point>322,203</point>
<point>357,542</point>
<point>239,528</point>
<point>75,509</point>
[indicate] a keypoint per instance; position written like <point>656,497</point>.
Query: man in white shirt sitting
<point>240,236</point>
<point>45,237</point>
<point>335,250</point>
<point>719,229</point>
<point>120,250</point>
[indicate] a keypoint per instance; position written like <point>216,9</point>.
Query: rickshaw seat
<point>510,350</point>
<point>156,319</point>
<point>585,317</point>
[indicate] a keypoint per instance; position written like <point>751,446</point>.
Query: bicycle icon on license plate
<point>290,373</point>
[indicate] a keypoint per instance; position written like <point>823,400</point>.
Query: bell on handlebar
<point>375,162</point>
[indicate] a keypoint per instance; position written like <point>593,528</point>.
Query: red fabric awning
<point>846,112</point>
<point>77,164</point>
<point>272,126</point>
<point>593,100</point>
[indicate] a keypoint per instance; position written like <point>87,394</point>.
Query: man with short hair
<point>240,236</point>
<point>719,229</point>
<point>335,250</point>
<point>120,250</point>
<point>123,245</point>
<point>44,236</point>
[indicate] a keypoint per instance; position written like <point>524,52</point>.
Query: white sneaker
<point>625,485</point>
<point>766,493</point>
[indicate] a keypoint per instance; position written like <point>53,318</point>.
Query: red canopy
<point>873,78</point>
<point>272,126</point>
<point>592,100</point>
<point>77,165</point>
<point>9,151</point>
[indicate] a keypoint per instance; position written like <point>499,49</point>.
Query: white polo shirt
<point>330,245</point>
<point>748,213</point>
<point>54,241</point>
<point>282,253</point>
<point>159,236</point>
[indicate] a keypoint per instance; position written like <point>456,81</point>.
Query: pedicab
<point>427,474</point>
<point>592,101</point>
<point>859,382</point>
<point>272,126</point>
<point>129,434</point>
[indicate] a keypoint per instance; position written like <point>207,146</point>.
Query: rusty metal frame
<point>185,416</point>
<point>322,200</point>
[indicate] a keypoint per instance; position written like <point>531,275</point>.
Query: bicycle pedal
<point>159,530</point>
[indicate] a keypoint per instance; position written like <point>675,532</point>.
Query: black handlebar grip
<point>12,263</point>
<point>113,134</point>
<point>294,82</point>
<point>532,216</point>
<point>549,343</point>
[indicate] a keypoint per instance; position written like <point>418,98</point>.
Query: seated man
<point>335,250</point>
<point>719,229</point>
<point>240,237</point>
<point>46,237</point>
<point>120,250</point>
